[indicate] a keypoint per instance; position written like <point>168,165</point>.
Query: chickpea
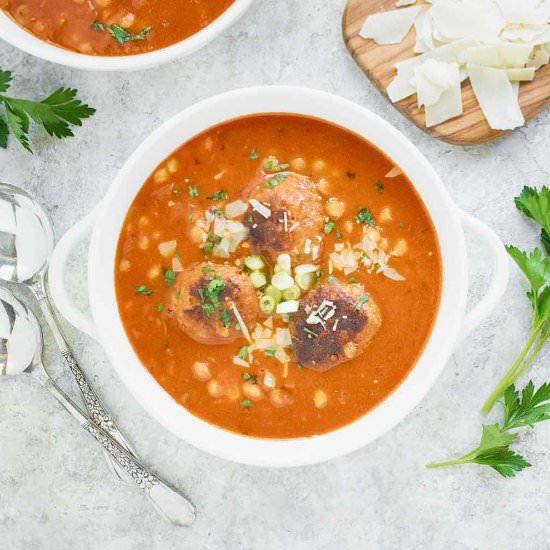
<point>124,265</point>
<point>233,392</point>
<point>400,248</point>
<point>153,272</point>
<point>319,165</point>
<point>173,165</point>
<point>162,175</point>
<point>350,349</point>
<point>143,242</point>
<point>335,208</point>
<point>214,388</point>
<point>320,399</point>
<point>373,234</point>
<point>298,163</point>
<point>197,235</point>
<point>279,398</point>
<point>348,226</point>
<point>253,391</point>
<point>324,186</point>
<point>385,215</point>
<point>201,371</point>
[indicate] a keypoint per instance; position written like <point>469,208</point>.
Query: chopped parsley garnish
<point>253,154</point>
<point>169,277</point>
<point>225,318</point>
<point>281,167</point>
<point>361,302</point>
<point>142,290</point>
<point>379,186</point>
<point>119,34</point>
<point>220,195</point>
<point>246,403</point>
<point>269,165</point>
<point>310,333</point>
<point>352,280</point>
<point>243,354</point>
<point>274,181</point>
<point>250,218</point>
<point>207,270</point>
<point>365,216</point>
<point>212,241</point>
<point>193,191</point>
<point>159,308</point>
<point>270,352</point>
<point>176,192</point>
<point>329,226</point>
<point>338,235</point>
<point>249,377</point>
<point>332,280</point>
<point>317,276</point>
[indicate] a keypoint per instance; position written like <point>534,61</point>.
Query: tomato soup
<point>114,27</point>
<point>278,276</point>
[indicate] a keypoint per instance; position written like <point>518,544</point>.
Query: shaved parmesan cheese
<point>401,3</point>
<point>262,209</point>
<point>450,102</point>
<point>456,19</point>
<point>241,322</point>
<point>290,306</point>
<point>394,172</point>
<point>521,75</point>
<point>390,27</point>
<point>433,78</point>
<point>496,97</point>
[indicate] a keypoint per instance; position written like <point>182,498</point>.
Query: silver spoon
<point>26,244</point>
<point>21,346</point>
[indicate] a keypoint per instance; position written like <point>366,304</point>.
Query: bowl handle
<point>57,270</point>
<point>499,278</point>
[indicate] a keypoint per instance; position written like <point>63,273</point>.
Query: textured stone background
<point>55,490</point>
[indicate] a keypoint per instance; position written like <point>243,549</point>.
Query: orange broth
<point>93,26</point>
<point>350,169</point>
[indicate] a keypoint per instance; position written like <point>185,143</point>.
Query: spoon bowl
<point>21,340</point>
<point>26,236</point>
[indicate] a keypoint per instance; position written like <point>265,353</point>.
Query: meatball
<point>295,225</point>
<point>333,325</point>
<point>203,298</point>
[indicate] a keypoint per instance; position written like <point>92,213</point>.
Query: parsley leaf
<point>364,216</point>
<point>246,403</point>
<point>243,354</point>
<point>143,290</point>
<point>55,113</point>
<point>169,276</point>
<point>220,195</point>
<point>120,34</point>
<point>329,226</point>
<point>275,180</point>
<point>532,407</point>
<point>253,154</point>
<point>193,191</point>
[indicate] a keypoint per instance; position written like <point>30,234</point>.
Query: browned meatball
<point>203,296</point>
<point>295,225</point>
<point>333,324</point>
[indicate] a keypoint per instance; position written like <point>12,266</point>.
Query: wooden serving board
<point>378,63</point>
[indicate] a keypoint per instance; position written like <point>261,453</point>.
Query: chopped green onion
<point>275,293</point>
<point>292,293</point>
<point>220,195</point>
<point>267,304</point>
<point>193,191</point>
<point>258,279</point>
<point>270,352</point>
<point>169,277</point>
<point>243,353</point>
<point>246,403</point>
<point>361,302</point>
<point>254,263</point>
<point>253,154</point>
<point>329,226</point>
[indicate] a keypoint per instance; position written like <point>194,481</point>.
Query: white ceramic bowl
<point>20,38</point>
<point>106,222</point>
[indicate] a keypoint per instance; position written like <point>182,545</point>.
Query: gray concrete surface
<point>55,490</point>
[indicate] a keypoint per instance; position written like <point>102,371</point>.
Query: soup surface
<point>278,276</point>
<point>114,27</point>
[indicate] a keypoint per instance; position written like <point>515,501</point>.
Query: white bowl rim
<point>20,38</point>
<point>216,441</point>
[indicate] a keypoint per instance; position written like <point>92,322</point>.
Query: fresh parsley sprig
<point>494,447</point>
<point>535,204</point>
<point>55,113</point>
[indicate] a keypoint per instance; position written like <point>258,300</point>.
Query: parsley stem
<point>462,460</point>
<point>514,372</point>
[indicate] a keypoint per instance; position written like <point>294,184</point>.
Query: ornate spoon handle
<point>98,413</point>
<point>166,500</point>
